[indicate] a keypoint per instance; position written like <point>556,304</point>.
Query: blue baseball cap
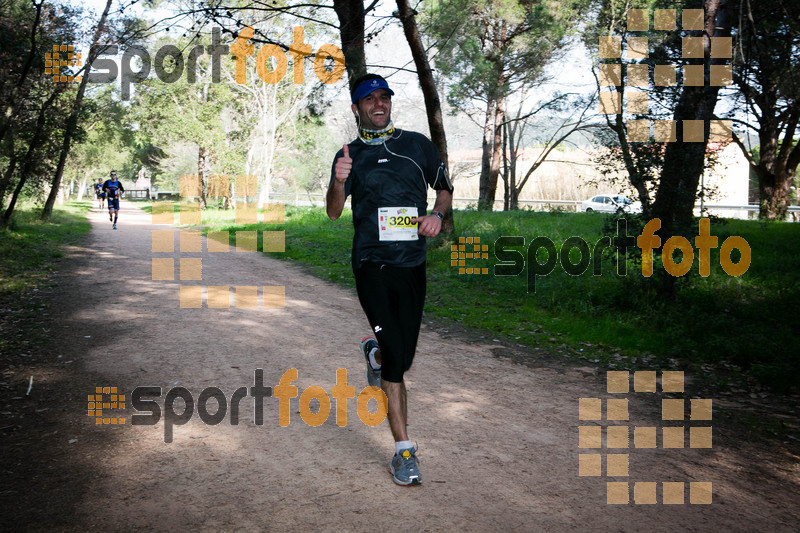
<point>373,83</point>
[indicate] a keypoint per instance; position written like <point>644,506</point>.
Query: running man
<point>114,190</point>
<point>387,172</point>
<point>100,193</point>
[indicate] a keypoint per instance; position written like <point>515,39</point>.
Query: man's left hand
<point>429,225</point>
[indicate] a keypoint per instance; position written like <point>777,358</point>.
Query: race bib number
<point>394,223</point>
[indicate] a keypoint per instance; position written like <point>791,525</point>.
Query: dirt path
<point>498,440</point>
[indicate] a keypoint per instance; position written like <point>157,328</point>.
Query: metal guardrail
<point>137,194</point>
<point>748,207</point>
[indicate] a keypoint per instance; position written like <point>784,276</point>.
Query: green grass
<point>28,246</point>
<point>29,250</point>
<point>744,327</point>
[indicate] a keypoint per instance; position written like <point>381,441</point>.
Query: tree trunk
<point>12,166</point>
<point>351,28</point>
<point>506,175</point>
<point>72,120</point>
<point>13,203</point>
<point>82,185</point>
<point>684,161</point>
<point>204,170</point>
<point>774,192</point>
<point>777,162</point>
<point>492,151</point>
<point>433,105</point>
<point>10,112</point>
<point>486,154</point>
<point>36,140</point>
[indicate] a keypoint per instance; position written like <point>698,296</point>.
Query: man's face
<point>375,110</point>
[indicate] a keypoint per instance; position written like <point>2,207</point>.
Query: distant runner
<point>114,190</point>
<point>100,193</point>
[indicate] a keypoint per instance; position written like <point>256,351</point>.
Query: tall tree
<point>15,73</point>
<point>684,161</point>
<point>72,120</point>
<point>670,170</point>
<point>517,128</point>
<point>769,40</point>
<point>32,156</point>
<point>189,110</point>
<point>433,104</point>
<point>33,105</point>
<point>487,48</point>
<point>427,83</point>
<point>641,162</point>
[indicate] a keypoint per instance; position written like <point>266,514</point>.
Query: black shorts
<point>392,298</point>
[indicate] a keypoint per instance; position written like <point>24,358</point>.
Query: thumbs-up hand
<point>343,166</point>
